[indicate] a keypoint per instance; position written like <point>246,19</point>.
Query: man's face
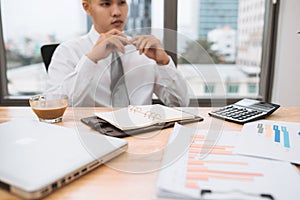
<point>107,14</point>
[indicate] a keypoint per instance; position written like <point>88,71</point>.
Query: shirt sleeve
<point>171,87</point>
<point>71,74</point>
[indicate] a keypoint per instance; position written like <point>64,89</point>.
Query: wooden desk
<point>132,175</point>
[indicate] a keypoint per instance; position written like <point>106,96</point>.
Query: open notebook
<point>134,117</point>
<point>137,119</point>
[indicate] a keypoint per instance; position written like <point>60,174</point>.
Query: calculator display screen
<point>262,106</point>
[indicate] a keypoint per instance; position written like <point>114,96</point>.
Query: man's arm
<point>171,87</point>
<point>70,72</point>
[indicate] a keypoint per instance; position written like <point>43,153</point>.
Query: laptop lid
<point>37,158</point>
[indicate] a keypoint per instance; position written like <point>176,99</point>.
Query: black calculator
<point>245,110</point>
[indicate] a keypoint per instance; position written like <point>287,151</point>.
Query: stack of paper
<point>200,167</point>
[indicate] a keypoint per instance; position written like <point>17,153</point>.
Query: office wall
<point>286,90</point>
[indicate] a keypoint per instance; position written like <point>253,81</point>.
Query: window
<point>230,36</point>
<point>211,41</point>
<point>232,88</point>
<point>22,70</point>
<point>23,35</point>
<point>252,88</point>
<point>209,88</point>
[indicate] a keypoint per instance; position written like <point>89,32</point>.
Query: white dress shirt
<point>88,84</point>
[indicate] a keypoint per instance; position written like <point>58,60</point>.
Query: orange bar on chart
<point>204,140</point>
<point>201,162</point>
<point>268,130</point>
<point>233,173</point>
<point>196,168</point>
<point>196,177</point>
<point>195,150</point>
<point>210,146</point>
<point>206,177</point>
<point>198,136</point>
<point>193,154</point>
<point>198,146</point>
<point>191,184</point>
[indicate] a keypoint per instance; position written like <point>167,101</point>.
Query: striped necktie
<point>119,95</point>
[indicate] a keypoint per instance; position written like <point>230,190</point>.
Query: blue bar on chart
<point>277,133</point>
<point>286,137</point>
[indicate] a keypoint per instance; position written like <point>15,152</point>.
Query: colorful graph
<point>272,139</point>
<point>223,166</point>
<point>219,165</point>
<point>279,134</point>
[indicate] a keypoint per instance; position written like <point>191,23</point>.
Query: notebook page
<point>134,117</point>
<point>125,119</point>
<point>167,114</point>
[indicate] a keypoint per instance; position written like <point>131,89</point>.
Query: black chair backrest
<point>47,52</point>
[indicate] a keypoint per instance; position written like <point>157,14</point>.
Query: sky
<point>22,18</point>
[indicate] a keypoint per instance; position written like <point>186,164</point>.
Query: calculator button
<point>236,117</point>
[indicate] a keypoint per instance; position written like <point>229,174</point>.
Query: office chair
<point>47,51</point>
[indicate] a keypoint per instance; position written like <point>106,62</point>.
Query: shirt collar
<point>94,35</point>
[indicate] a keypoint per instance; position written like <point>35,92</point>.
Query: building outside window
<point>215,14</point>
<point>139,16</point>
<point>230,35</point>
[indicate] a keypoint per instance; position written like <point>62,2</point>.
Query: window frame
<point>170,42</point>
<point>269,43</point>
<point>5,99</point>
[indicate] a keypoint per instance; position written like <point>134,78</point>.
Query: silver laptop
<point>37,158</point>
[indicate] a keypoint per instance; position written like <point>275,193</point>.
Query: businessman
<point>107,68</point>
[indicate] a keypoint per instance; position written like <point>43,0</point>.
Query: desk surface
<point>135,177</point>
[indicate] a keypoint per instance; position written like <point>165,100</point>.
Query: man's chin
<point>119,28</point>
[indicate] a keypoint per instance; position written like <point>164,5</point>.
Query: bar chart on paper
<point>276,133</point>
<point>221,164</point>
<point>271,139</point>
<point>212,168</point>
